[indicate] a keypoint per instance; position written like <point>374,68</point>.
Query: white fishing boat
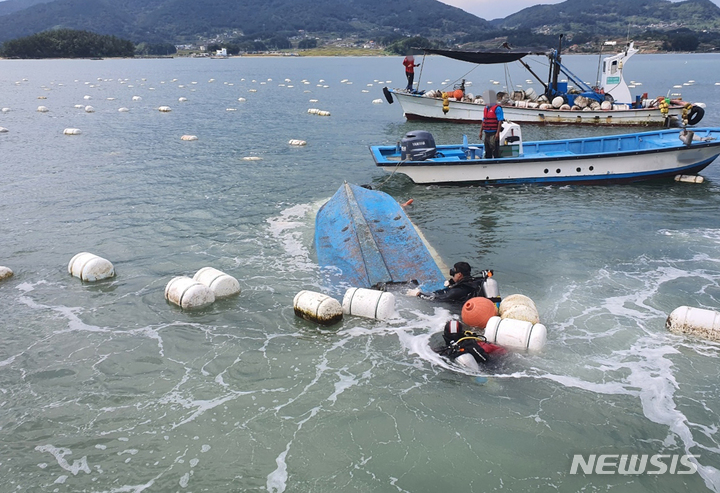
<point>609,103</point>
<point>608,159</point>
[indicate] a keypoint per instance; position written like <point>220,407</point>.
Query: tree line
<point>67,43</point>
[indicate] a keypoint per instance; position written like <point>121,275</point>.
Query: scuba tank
<point>491,288</point>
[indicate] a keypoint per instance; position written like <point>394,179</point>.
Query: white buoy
<point>689,178</point>
<point>695,321</point>
<point>242,100</point>
<point>606,105</point>
<point>5,110</point>
<point>42,109</point>
<point>377,101</point>
<point>221,284</point>
<point>369,303</point>
<point>515,334</point>
<point>5,272</point>
<point>188,294</point>
<point>123,110</point>
<point>72,131</point>
<point>3,130</point>
<point>252,158</point>
<point>519,307</point>
<point>297,142</point>
<point>89,109</point>
<point>87,97</point>
<point>89,267</point>
<point>164,109</point>
<point>182,100</point>
<point>317,307</point>
<point>189,137</point>
<point>136,98</point>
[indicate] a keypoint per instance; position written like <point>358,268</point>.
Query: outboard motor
<point>417,146</point>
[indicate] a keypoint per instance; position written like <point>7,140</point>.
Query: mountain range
<point>187,21</point>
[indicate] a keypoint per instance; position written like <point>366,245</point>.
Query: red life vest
<point>490,121</point>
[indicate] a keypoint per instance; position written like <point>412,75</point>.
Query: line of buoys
<point>188,293</point>
<point>368,303</point>
<point>297,142</point>
<point>516,334</point>
<point>519,307</point>
<point>5,272</point>
<point>317,307</point>
<point>695,321</point>
<point>189,137</point>
<point>89,267</point>
<point>689,178</point>
<point>221,284</point>
<point>72,131</point>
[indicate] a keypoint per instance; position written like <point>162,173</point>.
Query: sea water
<point>106,387</point>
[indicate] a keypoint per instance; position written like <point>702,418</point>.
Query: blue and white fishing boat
<point>365,239</point>
<point>608,159</point>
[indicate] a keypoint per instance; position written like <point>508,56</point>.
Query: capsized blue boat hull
<point>365,238</point>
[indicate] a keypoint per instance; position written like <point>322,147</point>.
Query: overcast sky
<point>494,9</point>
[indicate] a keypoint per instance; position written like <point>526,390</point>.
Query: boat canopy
<point>485,57</point>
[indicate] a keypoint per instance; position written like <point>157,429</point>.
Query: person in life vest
<point>460,287</point>
<point>491,124</point>
<point>410,65</point>
<point>460,340</point>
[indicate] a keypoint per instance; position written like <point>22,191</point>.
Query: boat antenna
<point>421,69</point>
<point>597,75</point>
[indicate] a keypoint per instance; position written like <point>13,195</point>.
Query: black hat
<point>461,267</point>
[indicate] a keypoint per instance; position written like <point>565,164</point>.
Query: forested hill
<point>186,20</point>
<point>616,17</point>
<point>191,21</point>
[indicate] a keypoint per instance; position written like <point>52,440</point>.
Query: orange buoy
<point>458,94</point>
<point>405,204</point>
<point>477,311</point>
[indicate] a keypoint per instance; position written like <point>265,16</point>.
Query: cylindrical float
<point>5,272</point>
<point>317,307</point>
<point>689,178</point>
<point>369,303</point>
<point>477,311</point>
<point>519,307</point>
<point>516,334</point>
<point>221,284</point>
<point>188,293</point>
<point>89,267</point>
<point>695,321</point>
<point>72,131</point>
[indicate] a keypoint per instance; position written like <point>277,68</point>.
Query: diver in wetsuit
<point>460,340</point>
<point>461,287</point>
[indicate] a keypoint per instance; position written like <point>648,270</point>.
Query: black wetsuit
<point>458,292</point>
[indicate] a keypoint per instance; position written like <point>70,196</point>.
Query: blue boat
<point>366,240</point>
<point>619,158</point>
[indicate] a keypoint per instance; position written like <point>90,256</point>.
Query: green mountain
<point>616,17</point>
<point>188,21</point>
